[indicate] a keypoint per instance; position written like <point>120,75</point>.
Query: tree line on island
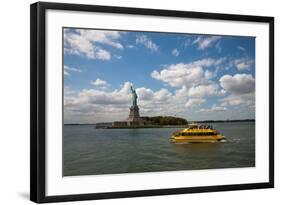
<point>165,120</point>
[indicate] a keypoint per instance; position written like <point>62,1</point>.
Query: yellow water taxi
<point>197,133</point>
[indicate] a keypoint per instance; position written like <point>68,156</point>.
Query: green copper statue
<point>134,97</point>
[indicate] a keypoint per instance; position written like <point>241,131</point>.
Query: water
<point>90,151</point>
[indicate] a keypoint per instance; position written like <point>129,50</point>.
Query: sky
<point>194,76</point>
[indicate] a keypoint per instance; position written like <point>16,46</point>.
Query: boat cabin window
<point>198,133</point>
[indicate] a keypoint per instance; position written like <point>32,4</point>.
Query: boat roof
<point>197,130</point>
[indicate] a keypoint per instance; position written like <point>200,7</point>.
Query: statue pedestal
<point>134,113</point>
<point>134,117</point>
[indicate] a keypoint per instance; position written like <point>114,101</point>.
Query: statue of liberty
<point>134,118</point>
<point>134,97</point>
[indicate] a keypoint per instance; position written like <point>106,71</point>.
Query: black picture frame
<point>38,101</point>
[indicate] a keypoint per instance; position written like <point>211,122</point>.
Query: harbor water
<point>91,151</point>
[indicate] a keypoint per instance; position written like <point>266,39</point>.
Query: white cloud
<point>238,84</point>
<point>68,69</point>
<point>186,42</point>
<point>179,74</point>
<point>218,47</point>
<point>145,94</point>
<point>243,99</point>
<point>242,63</point>
<point>191,79</point>
<point>99,82</point>
<point>208,62</point>
<point>190,74</point>
<point>219,108</point>
<point>118,57</point>
<point>204,90</point>
<point>71,69</point>
<point>147,97</point>
<point>182,92</point>
<point>78,45</point>
<point>130,46</point>
<point>214,108</point>
<point>241,88</point>
<point>103,37</point>
<point>241,48</point>
<point>209,74</point>
<point>204,42</point>
<point>102,54</point>
<point>89,43</point>
<point>193,102</point>
<point>147,42</point>
<point>175,52</point>
<point>101,97</point>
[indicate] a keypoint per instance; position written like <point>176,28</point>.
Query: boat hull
<point>197,139</point>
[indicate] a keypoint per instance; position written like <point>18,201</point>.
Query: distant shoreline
<point>203,121</point>
<point>224,121</point>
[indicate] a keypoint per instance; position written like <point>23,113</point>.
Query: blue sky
<point>194,76</point>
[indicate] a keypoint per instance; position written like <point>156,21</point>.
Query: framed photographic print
<point>129,102</point>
